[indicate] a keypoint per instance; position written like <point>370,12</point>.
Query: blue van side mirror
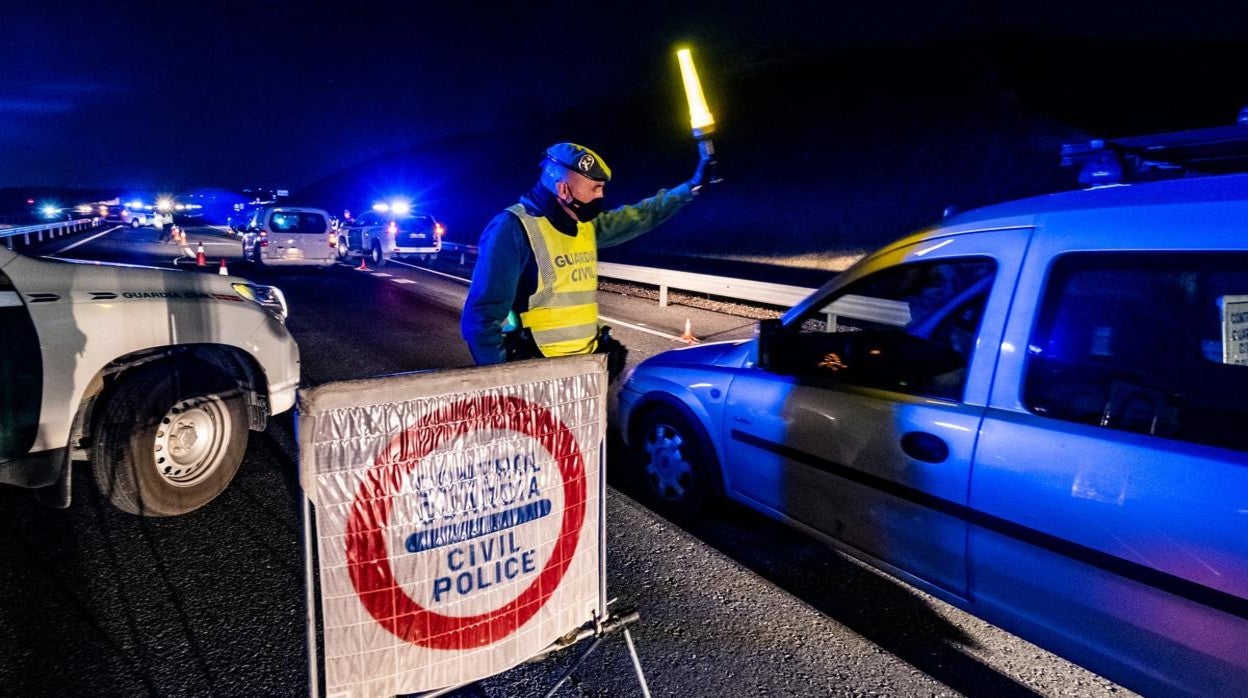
<point>766,334</point>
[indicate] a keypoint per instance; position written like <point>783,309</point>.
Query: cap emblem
<point>585,163</point>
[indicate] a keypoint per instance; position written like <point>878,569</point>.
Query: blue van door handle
<point>923,446</point>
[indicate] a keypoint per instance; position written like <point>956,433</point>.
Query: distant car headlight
<point>271,297</point>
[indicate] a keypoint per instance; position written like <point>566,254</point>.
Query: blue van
<point>1037,411</point>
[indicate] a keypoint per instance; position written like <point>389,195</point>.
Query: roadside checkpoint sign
<point>457,517</point>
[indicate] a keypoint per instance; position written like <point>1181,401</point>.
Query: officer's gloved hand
<point>704,175</point>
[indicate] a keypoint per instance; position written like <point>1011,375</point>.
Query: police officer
<point>534,289</point>
<point>166,225</point>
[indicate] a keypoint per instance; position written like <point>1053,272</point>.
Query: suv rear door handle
<point>923,446</point>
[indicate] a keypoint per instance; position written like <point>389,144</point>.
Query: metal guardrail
<point>738,289</point>
<point>781,295</point>
<point>464,251</point>
<point>53,230</point>
<point>881,310</point>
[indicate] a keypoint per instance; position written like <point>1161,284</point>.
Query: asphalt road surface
<point>97,602</point>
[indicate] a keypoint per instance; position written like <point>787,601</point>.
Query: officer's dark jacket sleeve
<point>502,253</point>
<point>627,222</point>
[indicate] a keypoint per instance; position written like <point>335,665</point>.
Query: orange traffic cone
<point>363,266</point>
<point>181,236</point>
<point>688,337</point>
<point>200,259</point>
<point>223,271</point>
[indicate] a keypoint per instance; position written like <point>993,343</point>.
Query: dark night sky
<point>172,95</point>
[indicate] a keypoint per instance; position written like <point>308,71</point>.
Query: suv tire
<point>376,256</point>
<point>344,253</point>
<point>170,439</point>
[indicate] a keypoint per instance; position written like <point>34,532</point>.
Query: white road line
<point>404,281</point>
<point>613,321</point>
<point>84,241</point>
<point>460,279</point>
<point>639,328</point>
<point>383,275</point>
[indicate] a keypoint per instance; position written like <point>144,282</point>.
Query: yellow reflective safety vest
<point>563,311</point>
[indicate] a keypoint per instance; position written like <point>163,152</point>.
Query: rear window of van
<point>416,223</point>
<point>298,222</point>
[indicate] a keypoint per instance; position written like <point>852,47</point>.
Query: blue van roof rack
<point>1205,151</point>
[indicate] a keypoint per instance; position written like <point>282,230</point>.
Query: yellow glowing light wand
<point>700,119</point>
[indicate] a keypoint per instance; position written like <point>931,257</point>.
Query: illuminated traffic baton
<point>700,119</point>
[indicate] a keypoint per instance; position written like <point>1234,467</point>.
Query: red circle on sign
<point>368,562</point>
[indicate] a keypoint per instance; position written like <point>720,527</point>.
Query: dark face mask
<point>585,211</point>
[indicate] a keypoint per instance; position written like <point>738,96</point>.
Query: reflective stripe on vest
<point>563,311</point>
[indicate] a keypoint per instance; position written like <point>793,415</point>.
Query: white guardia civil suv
<point>155,376</point>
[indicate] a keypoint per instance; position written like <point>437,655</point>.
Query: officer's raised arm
<point>539,259</point>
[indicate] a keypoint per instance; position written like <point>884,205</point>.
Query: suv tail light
<point>264,238</point>
<point>438,231</point>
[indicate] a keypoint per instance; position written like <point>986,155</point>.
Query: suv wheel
<point>343,252</point>
<point>134,222</point>
<point>676,466</point>
<point>170,439</point>
<point>257,257</point>
<point>376,257</point>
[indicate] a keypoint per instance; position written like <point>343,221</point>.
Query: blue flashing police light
<point>1101,170</point>
<point>401,207</point>
<point>1203,151</point>
<point>1098,165</point>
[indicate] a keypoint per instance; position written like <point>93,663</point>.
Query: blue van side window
<point>909,329</point>
<point>1133,342</point>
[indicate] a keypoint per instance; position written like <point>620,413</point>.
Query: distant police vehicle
<point>391,232</point>
<point>140,217</point>
<point>114,213</point>
<point>282,235</point>
<point>155,376</point>
<point>1037,411</point>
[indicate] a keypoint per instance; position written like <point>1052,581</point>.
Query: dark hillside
<point>831,155</point>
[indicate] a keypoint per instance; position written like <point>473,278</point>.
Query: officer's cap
<point>580,159</point>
